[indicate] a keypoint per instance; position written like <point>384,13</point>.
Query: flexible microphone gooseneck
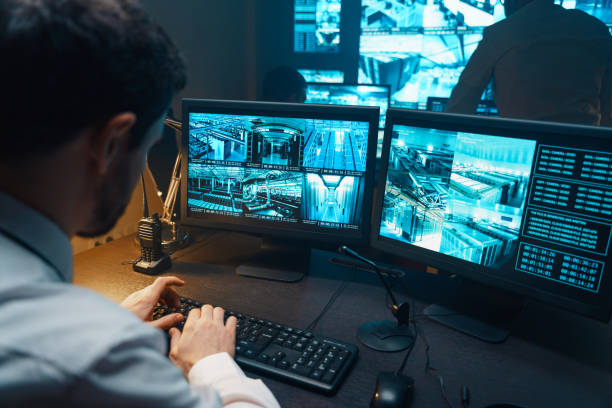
<point>384,335</point>
<point>400,311</point>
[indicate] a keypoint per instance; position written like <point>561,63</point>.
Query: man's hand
<point>204,334</point>
<point>142,302</point>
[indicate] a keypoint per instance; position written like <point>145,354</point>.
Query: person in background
<point>87,85</point>
<point>546,63</point>
<point>284,84</point>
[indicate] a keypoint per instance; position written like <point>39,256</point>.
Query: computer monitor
<point>350,94</point>
<point>484,108</point>
<point>353,94</point>
<point>291,171</point>
<point>317,26</point>
<point>322,75</point>
<point>420,49</point>
<point>519,205</point>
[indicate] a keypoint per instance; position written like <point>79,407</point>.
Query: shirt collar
<point>37,233</point>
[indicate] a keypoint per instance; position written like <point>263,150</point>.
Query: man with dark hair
<point>86,85</point>
<point>546,63</point>
<point>284,84</point>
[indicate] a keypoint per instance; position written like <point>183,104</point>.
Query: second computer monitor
<point>289,170</point>
<point>350,94</point>
<point>521,205</point>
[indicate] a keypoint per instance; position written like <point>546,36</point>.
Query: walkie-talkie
<point>152,259</point>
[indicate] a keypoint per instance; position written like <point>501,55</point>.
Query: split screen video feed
<point>291,170</point>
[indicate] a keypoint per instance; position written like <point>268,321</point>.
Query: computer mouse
<point>392,391</point>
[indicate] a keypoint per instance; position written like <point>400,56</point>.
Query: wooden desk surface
<point>553,358</point>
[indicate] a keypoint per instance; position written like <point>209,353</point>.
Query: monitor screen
<point>281,169</point>
<point>420,49</point>
<point>346,94</point>
<point>522,205</point>
<point>317,25</point>
<point>322,75</point>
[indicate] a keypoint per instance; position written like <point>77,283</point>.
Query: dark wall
<point>231,44</point>
<point>218,40</point>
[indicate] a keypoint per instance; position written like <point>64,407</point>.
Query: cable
<point>432,370</point>
<point>419,332</point>
<point>400,370</point>
<point>330,302</point>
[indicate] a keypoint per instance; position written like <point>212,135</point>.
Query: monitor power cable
<point>331,301</point>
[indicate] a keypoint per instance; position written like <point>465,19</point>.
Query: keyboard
<point>282,352</point>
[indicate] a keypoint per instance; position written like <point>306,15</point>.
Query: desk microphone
<point>384,335</point>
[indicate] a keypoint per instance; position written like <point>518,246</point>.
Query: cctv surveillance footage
<point>317,25</point>
<point>298,171</point>
<point>460,194</point>
<point>420,48</point>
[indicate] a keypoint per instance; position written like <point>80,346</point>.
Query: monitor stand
<point>278,260</point>
<point>480,312</point>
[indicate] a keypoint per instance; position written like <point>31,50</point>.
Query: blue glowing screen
<point>317,25</point>
<point>302,172</point>
<point>341,94</point>
<point>459,194</point>
<point>421,49</point>
<point>322,75</point>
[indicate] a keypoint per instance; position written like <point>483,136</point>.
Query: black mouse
<point>392,391</point>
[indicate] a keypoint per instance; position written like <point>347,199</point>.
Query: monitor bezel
<point>368,114</point>
<point>503,127</point>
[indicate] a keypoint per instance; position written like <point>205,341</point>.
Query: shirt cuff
<point>213,368</point>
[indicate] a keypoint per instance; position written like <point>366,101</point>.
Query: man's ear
<point>108,140</point>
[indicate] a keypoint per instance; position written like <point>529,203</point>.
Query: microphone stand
<point>385,335</point>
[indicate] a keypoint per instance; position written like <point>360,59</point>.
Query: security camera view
<point>337,145</point>
<point>341,94</point>
<point>330,199</point>
<point>460,194</point>
<point>420,48</point>
<point>598,9</point>
<point>317,25</point>
<point>278,141</point>
<point>322,75</point>
<point>294,170</point>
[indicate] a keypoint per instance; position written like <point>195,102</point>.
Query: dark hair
<point>281,83</point>
<point>72,64</point>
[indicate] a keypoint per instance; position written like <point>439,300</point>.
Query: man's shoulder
<point>545,17</point>
<point>68,326</point>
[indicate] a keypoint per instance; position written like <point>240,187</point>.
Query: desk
<point>552,359</point>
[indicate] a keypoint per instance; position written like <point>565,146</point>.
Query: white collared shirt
<point>63,345</point>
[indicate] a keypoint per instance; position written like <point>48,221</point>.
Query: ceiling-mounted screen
<point>317,25</point>
<point>418,48</point>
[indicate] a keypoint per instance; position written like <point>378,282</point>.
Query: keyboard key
<point>316,374</point>
<point>329,376</point>
<point>301,370</point>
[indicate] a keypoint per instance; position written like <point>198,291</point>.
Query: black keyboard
<point>282,352</point>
